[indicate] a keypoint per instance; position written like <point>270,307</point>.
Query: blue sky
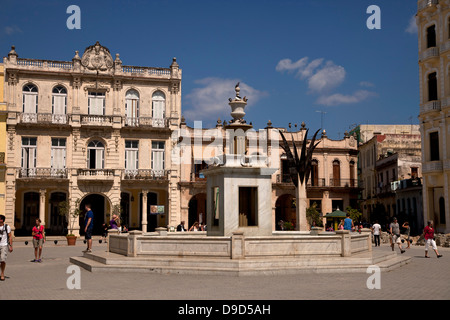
<point>296,60</point>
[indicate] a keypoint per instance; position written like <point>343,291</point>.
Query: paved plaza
<point>422,278</point>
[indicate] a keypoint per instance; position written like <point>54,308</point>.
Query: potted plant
<point>71,215</point>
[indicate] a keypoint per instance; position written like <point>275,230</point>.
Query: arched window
<point>315,173</point>
<point>432,87</point>
<point>30,103</point>
<point>96,152</point>
<point>431,36</point>
<point>158,108</point>
<point>59,104</point>
<point>336,173</point>
<point>352,174</point>
<point>131,108</point>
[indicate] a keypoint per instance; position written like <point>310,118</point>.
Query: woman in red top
<point>38,240</point>
<point>428,234</point>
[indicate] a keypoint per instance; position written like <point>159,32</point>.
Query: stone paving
<point>421,279</point>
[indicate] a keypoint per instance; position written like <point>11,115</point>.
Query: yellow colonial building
<point>90,130</point>
<point>433,21</point>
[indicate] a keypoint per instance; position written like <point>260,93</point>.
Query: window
<point>158,108</point>
<point>58,155</point>
<point>352,174</point>
<point>434,146</point>
<point>96,151</point>
<point>248,206</point>
<point>96,103</point>
<point>131,156</point>
<point>432,87</point>
<point>28,162</point>
<point>336,173</point>
<point>59,104</point>
<point>414,172</point>
<point>431,36</point>
<point>158,157</point>
<point>30,103</point>
<point>314,173</point>
<point>131,108</point>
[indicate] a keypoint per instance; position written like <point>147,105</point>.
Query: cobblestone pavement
<point>421,279</point>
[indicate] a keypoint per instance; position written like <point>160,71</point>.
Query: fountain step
<point>105,261</point>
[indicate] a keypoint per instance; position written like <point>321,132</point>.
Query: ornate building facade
<point>90,130</point>
<point>433,21</point>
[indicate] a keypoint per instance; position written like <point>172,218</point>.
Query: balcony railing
<point>429,53</point>
<point>96,120</point>
<point>39,173</point>
<point>434,105</point>
<point>146,122</point>
<point>44,118</point>
<point>352,183</point>
<point>145,174</point>
<point>346,183</point>
<point>432,166</point>
<point>96,174</point>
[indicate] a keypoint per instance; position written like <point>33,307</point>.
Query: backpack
<point>7,233</point>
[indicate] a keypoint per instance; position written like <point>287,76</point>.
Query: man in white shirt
<point>376,229</point>
<point>5,245</point>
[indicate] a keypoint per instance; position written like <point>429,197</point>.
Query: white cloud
<point>412,26</point>
<point>327,78</point>
<point>322,78</point>
<point>338,98</point>
<point>366,84</point>
<point>10,30</point>
<point>210,101</point>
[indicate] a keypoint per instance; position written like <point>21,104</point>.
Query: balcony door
<point>96,152</point>
<point>158,158</point>
<point>132,108</point>
<point>58,156</point>
<point>59,104</point>
<point>158,108</point>
<point>96,103</point>
<point>30,103</point>
<point>28,157</point>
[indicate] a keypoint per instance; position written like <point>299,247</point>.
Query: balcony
<point>429,53</point>
<point>145,174</point>
<point>96,120</point>
<point>44,118</point>
<point>424,4</point>
<point>96,174</point>
<point>432,166</point>
<point>344,183</point>
<point>430,106</point>
<point>146,122</point>
<point>319,183</point>
<point>42,173</point>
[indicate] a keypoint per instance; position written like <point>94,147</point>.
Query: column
<point>144,210</point>
<point>42,206</point>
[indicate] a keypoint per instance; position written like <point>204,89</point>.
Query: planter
<point>71,240</point>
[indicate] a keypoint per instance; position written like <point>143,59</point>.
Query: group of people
<point>195,227</point>
<point>395,237</point>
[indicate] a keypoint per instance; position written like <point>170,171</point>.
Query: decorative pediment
<point>97,58</point>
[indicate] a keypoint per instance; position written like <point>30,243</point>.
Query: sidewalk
<point>422,278</point>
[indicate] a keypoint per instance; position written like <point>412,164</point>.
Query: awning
<point>336,214</point>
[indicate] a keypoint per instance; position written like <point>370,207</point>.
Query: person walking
<point>348,223</point>
<point>5,245</point>
<point>38,240</point>
<point>394,230</point>
<point>376,229</point>
<point>428,234</point>
<point>408,231</point>
<point>89,227</point>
